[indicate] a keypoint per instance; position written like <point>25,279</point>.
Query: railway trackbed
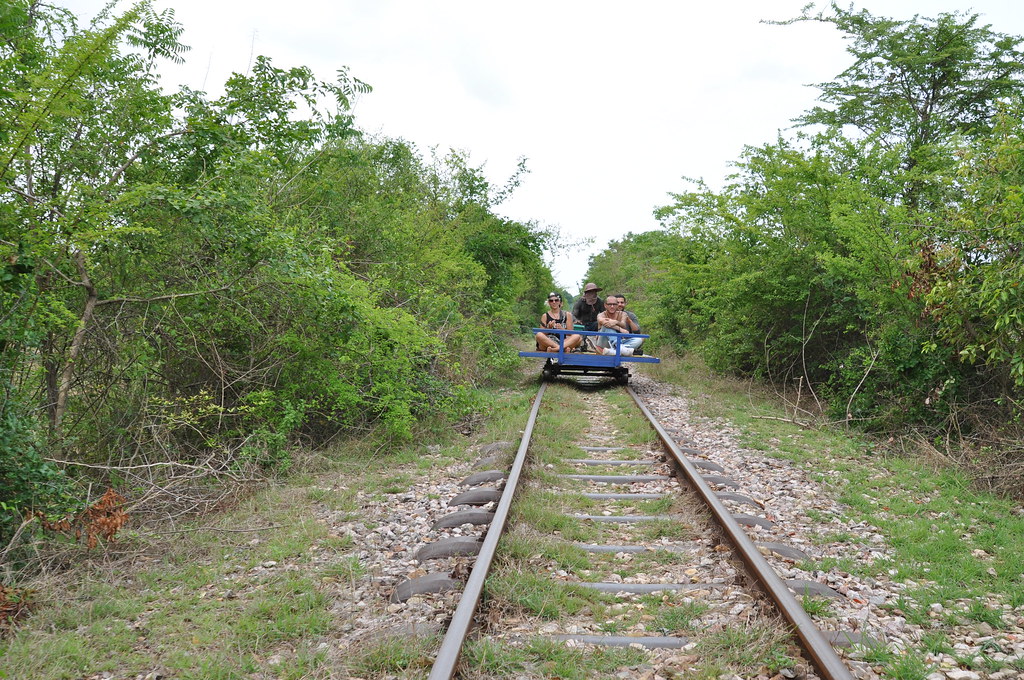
<point>623,547</point>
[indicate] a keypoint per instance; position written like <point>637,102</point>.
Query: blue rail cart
<point>609,364</point>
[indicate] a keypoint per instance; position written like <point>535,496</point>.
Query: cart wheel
<point>622,378</point>
<point>547,374</point>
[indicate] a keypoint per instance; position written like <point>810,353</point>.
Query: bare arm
<point>608,321</point>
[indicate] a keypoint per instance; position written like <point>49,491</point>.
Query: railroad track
<point>652,538</point>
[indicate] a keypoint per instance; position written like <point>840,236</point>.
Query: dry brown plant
<point>104,518</point>
<point>14,604</point>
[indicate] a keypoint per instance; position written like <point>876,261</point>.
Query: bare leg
<point>545,344</point>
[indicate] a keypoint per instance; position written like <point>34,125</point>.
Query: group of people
<point>609,315</point>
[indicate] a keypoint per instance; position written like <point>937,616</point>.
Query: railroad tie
<point>428,583</point>
<point>457,519</point>
<point>619,479</point>
<point>616,549</point>
<point>647,588</point>
<point>598,461</point>
<point>625,496</point>
<point>648,641</point>
<point>783,550</point>
<point>484,477</point>
<point>476,496</point>
<point>624,519</point>
<point>456,546</point>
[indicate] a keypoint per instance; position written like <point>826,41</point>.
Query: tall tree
<point>917,84</point>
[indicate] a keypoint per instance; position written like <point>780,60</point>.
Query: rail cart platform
<point>588,363</point>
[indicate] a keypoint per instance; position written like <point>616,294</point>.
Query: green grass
<point>653,558</point>
<point>555,660</point>
<point>546,659</point>
<point>657,506</point>
<point>393,483</point>
<point>672,619</point>
<point>562,418</point>
<point>289,609</point>
<point>743,651</point>
<point>843,564</point>
<point>936,642</point>
<point>834,537</point>
<point>981,613</point>
<point>127,633</point>
<point>494,659</point>
<point>521,546</point>
<point>394,655</point>
<point>549,520</point>
<point>343,500</point>
<point>347,569</point>
<point>816,606</point>
<point>539,595</point>
<point>908,666</point>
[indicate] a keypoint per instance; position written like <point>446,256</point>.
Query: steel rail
<point>448,654</point>
<point>814,643</point>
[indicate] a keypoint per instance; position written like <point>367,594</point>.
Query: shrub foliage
<point>195,282</point>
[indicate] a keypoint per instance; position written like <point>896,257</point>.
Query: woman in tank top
<point>556,317</point>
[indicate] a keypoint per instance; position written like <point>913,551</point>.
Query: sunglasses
<point>554,299</point>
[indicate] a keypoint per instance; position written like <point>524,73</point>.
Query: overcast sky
<point>612,104</point>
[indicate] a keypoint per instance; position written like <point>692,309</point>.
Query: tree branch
<point>170,296</point>
<point>68,372</point>
<point>238,531</point>
<point>14,539</point>
<point>138,152</point>
<point>124,468</point>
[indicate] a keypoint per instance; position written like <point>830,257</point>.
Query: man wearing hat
<point>587,308</point>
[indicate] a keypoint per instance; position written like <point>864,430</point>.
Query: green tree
<point>917,85</point>
<point>973,283</point>
<point>188,279</point>
<point>824,255</point>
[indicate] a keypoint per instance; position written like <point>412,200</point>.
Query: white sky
<point>610,103</point>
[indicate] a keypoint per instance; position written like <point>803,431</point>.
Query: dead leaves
<point>104,518</point>
<point>14,603</point>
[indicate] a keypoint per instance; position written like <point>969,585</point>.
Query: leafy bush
<point>27,481</point>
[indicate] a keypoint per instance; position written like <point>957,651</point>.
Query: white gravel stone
<point>962,675</point>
